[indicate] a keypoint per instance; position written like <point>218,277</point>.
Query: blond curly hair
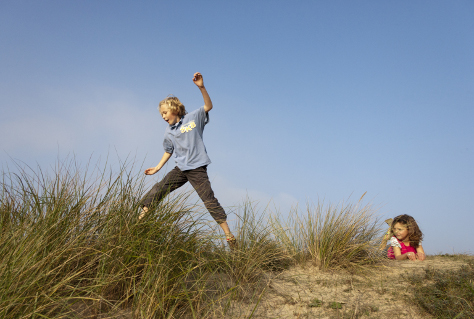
<point>174,105</point>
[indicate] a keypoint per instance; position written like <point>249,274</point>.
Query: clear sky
<point>313,100</point>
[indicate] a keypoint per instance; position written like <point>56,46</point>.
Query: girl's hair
<point>174,105</point>
<point>414,233</point>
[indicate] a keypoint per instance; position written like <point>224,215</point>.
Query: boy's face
<point>170,117</point>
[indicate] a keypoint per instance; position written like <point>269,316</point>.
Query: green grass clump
<point>445,293</point>
<point>315,303</point>
<point>335,305</point>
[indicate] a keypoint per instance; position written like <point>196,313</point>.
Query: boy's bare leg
<point>228,236</point>
<point>143,212</point>
<point>224,225</point>
<point>226,230</point>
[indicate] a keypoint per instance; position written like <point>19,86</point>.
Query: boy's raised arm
<point>198,80</point>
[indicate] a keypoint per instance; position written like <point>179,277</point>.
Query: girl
<point>406,240</point>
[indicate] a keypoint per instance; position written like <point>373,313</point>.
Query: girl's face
<point>401,232</point>
<point>170,117</point>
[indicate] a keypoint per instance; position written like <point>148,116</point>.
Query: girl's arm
<point>153,170</point>
<point>398,254</point>
<point>198,80</point>
<point>420,253</point>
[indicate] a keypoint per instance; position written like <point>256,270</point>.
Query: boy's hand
<point>151,171</point>
<point>198,80</point>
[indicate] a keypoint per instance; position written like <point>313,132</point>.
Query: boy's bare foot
<point>232,243</point>
<point>143,212</point>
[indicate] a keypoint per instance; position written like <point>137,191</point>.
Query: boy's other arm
<point>153,170</point>
<point>199,81</point>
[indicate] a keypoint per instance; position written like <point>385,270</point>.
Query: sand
<point>307,292</point>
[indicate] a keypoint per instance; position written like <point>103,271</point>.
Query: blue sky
<point>312,100</point>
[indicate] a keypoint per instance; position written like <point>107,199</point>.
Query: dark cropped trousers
<point>199,180</point>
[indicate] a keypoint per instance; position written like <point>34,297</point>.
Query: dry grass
<point>343,236</point>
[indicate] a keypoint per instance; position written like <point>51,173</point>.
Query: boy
<point>184,140</point>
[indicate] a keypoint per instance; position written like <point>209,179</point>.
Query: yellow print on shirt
<point>188,127</point>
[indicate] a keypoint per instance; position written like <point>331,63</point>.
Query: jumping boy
<point>184,140</point>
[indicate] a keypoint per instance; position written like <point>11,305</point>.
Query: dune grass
<point>72,246</point>
<point>65,240</point>
<point>332,236</point>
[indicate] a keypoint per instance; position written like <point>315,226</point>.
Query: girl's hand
<point>420,256</point>
<point>151,171</point>
<point>198,80</point>
<point>411,256</point>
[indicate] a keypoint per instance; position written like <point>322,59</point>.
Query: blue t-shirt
<point>184,140</point>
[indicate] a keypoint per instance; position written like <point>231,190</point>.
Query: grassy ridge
<point>72,245</point>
